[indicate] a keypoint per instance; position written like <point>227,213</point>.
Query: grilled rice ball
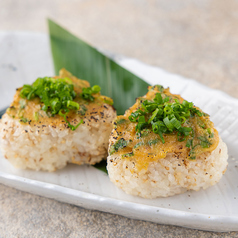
<point>35,136</point>
<point>163,146</point>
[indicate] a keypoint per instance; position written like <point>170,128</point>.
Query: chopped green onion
<point>72,105</point>
<point>127,155</point>
<point>204,142</point>
<point>26,90</point>
<point>209,131</point>
<point>120,144</point>
<point>109,102</point>
<point>22,104</point>
<point>165,115</point>
<point>87,92</point>
<point>175,123</point>
<point>55,105</point>
<point>153,142</point>
<point>161,136</point>
<point>56,94</point>
<point>36,116</point>
<point>96,89</point>
<point>23,119</point>
<point>211,135</point>
<point>120,121</point>
<point>141,123</point>
<point>168,124</point>
<point>168,109</point>
<point>158,98</point>
<point>133,117</point>
<point>82,110</point>
<point>183,119</point>
<point>138,144</point>
<point>153,115</point>
<point>64,115</point>
<point>160,88</point>
<point>189,143</point>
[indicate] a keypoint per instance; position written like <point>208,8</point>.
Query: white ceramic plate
<point>26,56</point>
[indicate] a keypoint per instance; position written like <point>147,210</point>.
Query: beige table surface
<point>194,38</point>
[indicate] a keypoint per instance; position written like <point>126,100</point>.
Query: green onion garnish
<point>128,155</point>
<point>138,144</point>
<point>64,115</point>
<point>120,121</point>
<point>56,94</point>
<point>23,119</point>
<point>22,104</point>
<point>153,142</point>
<point>87,92</point>
<point>120,144</point>
<point>36,116</point>
<point>82,110</point>
<point>205,143</point>
<point>72,105</point>
<point>164,115</point>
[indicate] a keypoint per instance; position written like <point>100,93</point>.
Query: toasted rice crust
<point>169,176</point>
<point>43,147</point>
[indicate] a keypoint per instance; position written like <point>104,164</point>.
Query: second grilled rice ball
<point>142,164</point>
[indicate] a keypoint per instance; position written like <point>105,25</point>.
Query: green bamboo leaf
<point>102,166</point>
<point>86,62</point>
<point>2,112</point>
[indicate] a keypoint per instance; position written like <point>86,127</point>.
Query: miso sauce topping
<point>53,99</point>
<point>160,123</point>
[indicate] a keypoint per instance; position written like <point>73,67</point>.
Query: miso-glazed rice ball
<point>55,121</point>
<point>164,145</point>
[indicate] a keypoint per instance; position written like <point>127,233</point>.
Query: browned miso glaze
<point>147,147</point>
<point>29,111</point>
